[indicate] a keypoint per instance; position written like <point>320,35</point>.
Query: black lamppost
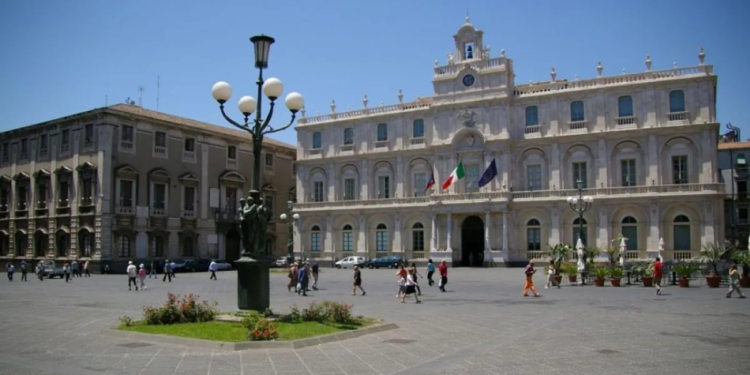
<point>252,276</point>
<point>580,204</point>
<point>290,220</point>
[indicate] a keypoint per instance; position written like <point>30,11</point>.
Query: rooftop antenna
<point>158,78</point>
<point>141,89</point>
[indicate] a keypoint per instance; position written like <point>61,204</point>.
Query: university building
<point>642,145</point>
<point>126,183</point>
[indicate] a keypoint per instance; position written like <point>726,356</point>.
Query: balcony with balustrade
<point>188,156</point>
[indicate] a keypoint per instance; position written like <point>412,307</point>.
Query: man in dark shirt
<point>315,275</point>
<point>357,281</point>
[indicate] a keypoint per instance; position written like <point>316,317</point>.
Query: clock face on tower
<point>468,80</point>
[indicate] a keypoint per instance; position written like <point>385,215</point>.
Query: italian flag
<point>456,175</point>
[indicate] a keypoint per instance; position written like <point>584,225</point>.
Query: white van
<point>350,262</point>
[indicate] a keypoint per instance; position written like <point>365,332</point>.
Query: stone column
<point>449,239</point>
<point>652,162</point>
<point>487,232</point>
<point>654,232</point>
<point>331,184</point>
<point>328,242</point>
<point>505,235</point>
<point>399,177</point>
<point>433,233</point>
<point>362,237</point>
<point>397,245</point>
<point>364,181</point>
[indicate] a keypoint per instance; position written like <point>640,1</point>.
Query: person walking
<point>413,274</point>
<point>74,268</point>
<point>11,269</point>
<point>443,269</point>
<point>302,280</point>
<point>172,267</point>
<point>357,281</point>
<point>401,273</point>
<point>38,271</point>
<point>23,270</point>
<point>430,272</point>
<point>410,286</point>
<point>734,282</point>
<point>658,274</point>
<point>292,278</point>
<point>86,269</point>
<point>315,270</point>
<point>152,271</point>
<point>529,285</point>
<point>551,271</point>
<point>142,276</point>
<point>66,271</point>
<point>167,272</point>
<point>213,267</point>
<point>132,273</point>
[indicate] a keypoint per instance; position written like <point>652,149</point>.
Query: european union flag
<point>488,174</point>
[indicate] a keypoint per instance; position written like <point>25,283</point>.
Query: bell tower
<point>469,44</point>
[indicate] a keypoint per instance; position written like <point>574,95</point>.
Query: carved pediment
<point>4,178</point>
<point>232,176</point>
<point>270,187</point>
<point>126,169</point>
<point>189,177</point>
<point>21,176</point>
<point>41,173</point>
<point>86,166</point>
<point>159,172</point>
<point>63,169</point>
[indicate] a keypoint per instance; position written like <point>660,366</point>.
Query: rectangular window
<point>576,111</point>
<point>676,101</point>
<point>126,193</point>
<point>160,139</point>
<point>64,192</point>
<point>43,144</point>
<point>348,241</point>
<point>418,241</point>
<point>681,233</point>
<point>160,191</point>
<point>579,175</point>
<point>65,140</point>
<point>418,128</point>
<point>382,132</point>
<point>534,177</point>
<point>315,241</point>
<point>230,199</point>
<point>679,170</point>
<point>384,188</point>
<point>742,215</point>
<point>22,196</point>
<point>89,133</point>
<point>189,204</point>
<point>87,194</point>
<point>231,153</point>
<point>190,144</point>
<point>318,191</point>
<point>625,106</point>
<point>4,198</point>
<point>472,178</point>
<point>631,233</point>
<point>628,172</point>
<point>742,189</point>
<point>269,160</point>
<point>420,182</point>
<point>317,141</point>
<point>348,136</point>
<point>42,192</point>
<point>349,189</point>
<point>127,133</point>
<point>381,241</point>
<point>24,149</point>
<point>532,116</point>
<point>269,206</point>
<point>533,239</point>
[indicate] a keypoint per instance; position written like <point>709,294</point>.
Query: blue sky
<point>63,57</point>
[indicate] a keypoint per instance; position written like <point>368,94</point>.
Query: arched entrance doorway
<point>232,245</point>
<point>472,242</point>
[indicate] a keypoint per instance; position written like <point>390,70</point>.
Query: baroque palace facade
<point>122,183</point>
<point>642,145</point>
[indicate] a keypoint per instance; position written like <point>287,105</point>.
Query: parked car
<point>51,270</point>
<point>350,262</point>
<point>222,265</point>
<point>200,265</point>
<point>281,262</point>
<point>385,262</point>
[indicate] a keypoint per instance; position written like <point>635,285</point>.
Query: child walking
<point>530,271</point>
<point>142,276</point>
<point>551,271</point>
<point>734,282</point>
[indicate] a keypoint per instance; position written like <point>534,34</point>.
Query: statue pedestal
<point>253,285</point>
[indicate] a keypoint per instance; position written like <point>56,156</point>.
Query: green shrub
<point>338,312</point>
<point>250,320</point>
<point>176,310</point>
<point>126,321</point>
<point>615,272</point>
<point>315,313</point>
<point>294,315</point>
<point>263,330</point>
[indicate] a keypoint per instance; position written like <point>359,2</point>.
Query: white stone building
<point>643,146</point>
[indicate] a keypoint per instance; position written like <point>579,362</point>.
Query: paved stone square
<point>481,326</point>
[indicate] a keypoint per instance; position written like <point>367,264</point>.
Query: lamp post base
<point>253,285</point>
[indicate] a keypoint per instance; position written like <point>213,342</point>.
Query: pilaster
<point>364,180</point>
<point>654,230</point>
<point>397,245</point>
<point>603,226</point>
<point>449,238</point>
<point>204,183</point>
<point>399,176</point>
<point>653,162</point>
<point>362,237</point>
<point>433,233</point>
<point>554,168</point>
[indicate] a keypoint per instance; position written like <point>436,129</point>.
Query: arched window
<point>21,243</point>
<point>187,247</point>
<point>417,239</point>
<point>382,132</point>
<point>580,229</point>
<point>417,129</point>
<point>315,238</point>
<point>4,243</point>
<point>347,238</point>
<point>381,238</point>
<point>85,243</point>
<point>676,101</point>
<point>630,231</point>
<point>576,111</point>
<point>532,115</point>
<point>625,106</point>
<point>317,141</point>
<point>124,246</point>
<point>158,246</point>
<point>681,233</point>
<point>533,235</point>
<point>348,136</point>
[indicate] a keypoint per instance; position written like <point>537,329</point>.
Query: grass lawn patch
<point>235,332</point>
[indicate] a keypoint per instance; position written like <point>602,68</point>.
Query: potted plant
<point>558,254</point>
<point>684,271</point>
<point>599,274</point>
<point>615,275</point>
<point>743,260</point>
<point>713,254</point>
<point>571,270</point>
<point>647,274</point>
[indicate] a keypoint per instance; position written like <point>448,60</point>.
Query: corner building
<point>124,183</point>
<point>643,146</point>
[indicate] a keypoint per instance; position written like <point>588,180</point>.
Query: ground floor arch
<point>472,242</point>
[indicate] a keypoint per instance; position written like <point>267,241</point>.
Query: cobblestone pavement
<point>481,326</point>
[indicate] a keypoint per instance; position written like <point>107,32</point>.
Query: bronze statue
<point>247,220</point>
<point>261,224</point>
